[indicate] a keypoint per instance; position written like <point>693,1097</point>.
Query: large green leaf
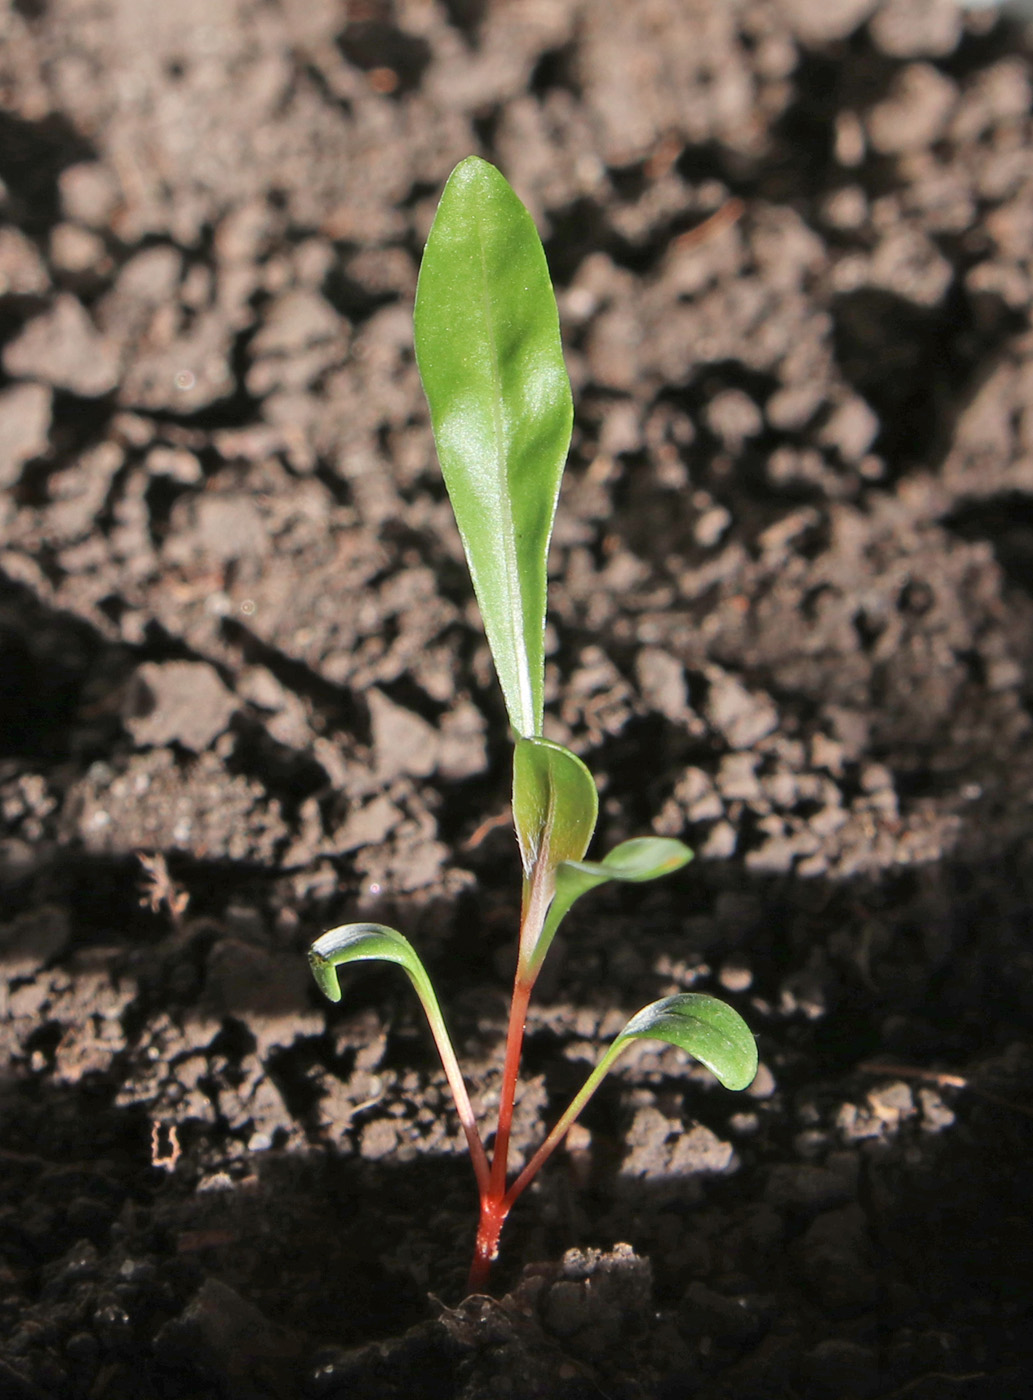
<point>640,859</point>
<point>555,804</point>
<point>488,349</point>
<point>707,1028</point>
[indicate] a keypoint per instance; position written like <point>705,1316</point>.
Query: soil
<point>244,697</point>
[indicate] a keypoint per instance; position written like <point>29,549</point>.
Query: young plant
<point>488,348</point>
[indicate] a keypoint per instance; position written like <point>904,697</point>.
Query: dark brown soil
<point>792,621</point>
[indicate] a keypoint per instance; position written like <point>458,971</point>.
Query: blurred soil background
<point>244,697</point>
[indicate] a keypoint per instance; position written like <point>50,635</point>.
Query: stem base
<point>486,1250</point>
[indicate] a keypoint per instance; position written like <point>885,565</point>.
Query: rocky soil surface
<point>244,697</point>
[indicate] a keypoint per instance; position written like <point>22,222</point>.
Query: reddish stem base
<point>486,1250</point>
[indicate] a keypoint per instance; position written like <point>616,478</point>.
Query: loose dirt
<point>791,622</point>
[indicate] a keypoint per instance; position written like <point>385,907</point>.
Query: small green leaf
<point>707,1028</point>
<point>640,859</point>
<point>555,804</point>
<point>361,943</point>
<point>488,348</point>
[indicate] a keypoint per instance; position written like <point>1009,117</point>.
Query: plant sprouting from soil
<point>488,349</point>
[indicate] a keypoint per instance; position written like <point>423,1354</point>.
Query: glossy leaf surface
<point>640,859</point>
<point>488,350</point>
<point>555,803</point>
<point>709,1029</point>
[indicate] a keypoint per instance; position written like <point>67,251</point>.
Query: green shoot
<point>488,349</point>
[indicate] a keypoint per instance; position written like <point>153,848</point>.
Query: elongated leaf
<point>709,1029</point>
<point>640,859</point>
<point>488,349</point>
<point>555,803</point>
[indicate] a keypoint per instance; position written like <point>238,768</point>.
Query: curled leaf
<point>709,1029</point>
<point>361,943</point>
<point>378,943</point>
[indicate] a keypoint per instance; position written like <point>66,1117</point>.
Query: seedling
<point>488,349</point>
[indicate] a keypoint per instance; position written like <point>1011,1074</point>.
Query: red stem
<point>495,1204</point>
<point>494,1207</point>
<point>507,1096</point>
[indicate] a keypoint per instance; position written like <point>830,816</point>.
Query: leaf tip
<point>472,170</point>
<point>744,1077</point>
<point>326,978</point>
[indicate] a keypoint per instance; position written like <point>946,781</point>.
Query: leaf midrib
<point>504,503</point>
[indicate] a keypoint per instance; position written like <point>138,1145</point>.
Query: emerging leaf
<point>640,859</point>
<point>555,804</point>
<point>488,349</point>
<point>707,1028</point>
